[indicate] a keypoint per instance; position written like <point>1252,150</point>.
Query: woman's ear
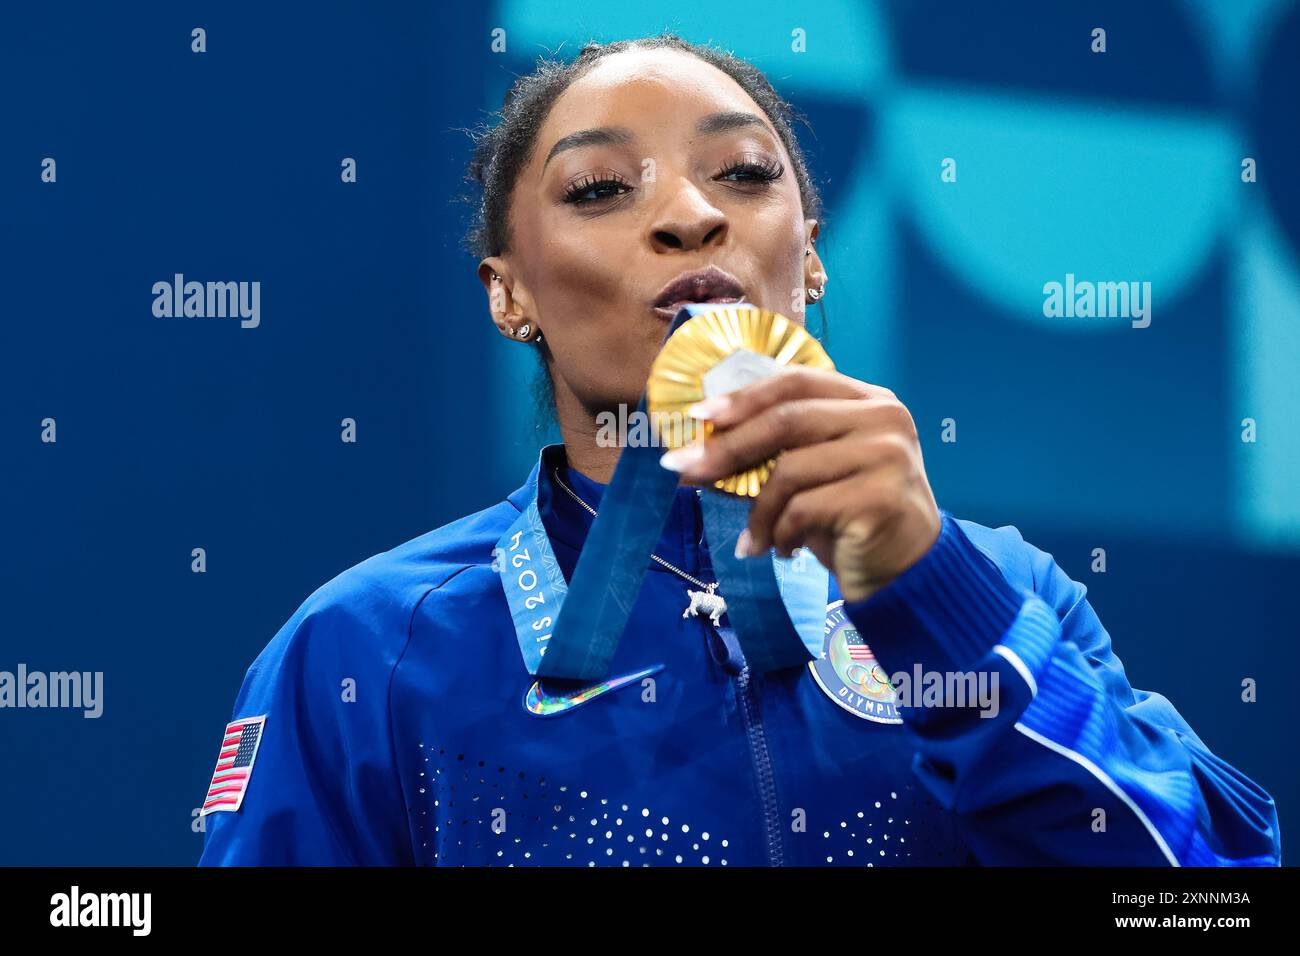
<point>814,272</point>
<point>504,308</point>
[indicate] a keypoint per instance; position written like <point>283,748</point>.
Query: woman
<point>383,724</point>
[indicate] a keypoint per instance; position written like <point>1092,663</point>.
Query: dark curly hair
<point>502,150</point>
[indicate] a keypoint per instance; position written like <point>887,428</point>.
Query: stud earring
<point>524,330</point>
<point>815,294</point>
<point>495,277</point>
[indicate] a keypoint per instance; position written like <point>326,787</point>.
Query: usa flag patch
<point>234,765</point>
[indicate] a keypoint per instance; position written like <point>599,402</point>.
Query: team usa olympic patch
<point>848,673</point>
<point>234,765</point>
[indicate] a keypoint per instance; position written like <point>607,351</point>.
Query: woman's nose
<point>686,220</point>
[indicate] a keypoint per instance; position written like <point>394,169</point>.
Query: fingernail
<point>710,407</point>
<point>679,459</point>
<point>742,544</point>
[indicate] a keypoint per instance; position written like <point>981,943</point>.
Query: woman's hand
<point>849,482</point>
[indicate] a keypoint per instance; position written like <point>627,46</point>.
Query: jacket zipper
<point>757,744</point>
<point>763,767</point>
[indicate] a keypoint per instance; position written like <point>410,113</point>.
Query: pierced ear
<point>813,270</point>
<point>814,273</point>
<point>502,308</point>
<point>811,229</point>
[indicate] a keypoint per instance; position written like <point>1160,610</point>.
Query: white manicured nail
<point>743,543</point>
<point>679,459</point>
<point>709,407</point>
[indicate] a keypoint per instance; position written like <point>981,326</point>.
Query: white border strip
<point>1021,668</point>
<point>1111,785</point>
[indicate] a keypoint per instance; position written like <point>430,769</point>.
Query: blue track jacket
<point>396,729</point>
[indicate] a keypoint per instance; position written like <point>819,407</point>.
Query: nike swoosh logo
<point>541,703</point>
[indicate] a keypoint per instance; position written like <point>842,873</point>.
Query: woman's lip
<point>670,311</point>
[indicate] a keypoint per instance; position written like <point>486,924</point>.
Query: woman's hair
<point>502,151</point>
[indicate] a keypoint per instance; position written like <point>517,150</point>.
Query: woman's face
<point>652,164</point>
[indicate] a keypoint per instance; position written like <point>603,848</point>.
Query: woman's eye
<point>752,172</point>
<point>594,189</point>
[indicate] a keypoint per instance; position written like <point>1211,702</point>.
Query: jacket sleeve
<point>323,788</point>
<point>1070,765</point>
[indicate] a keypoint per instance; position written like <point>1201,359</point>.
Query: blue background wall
<point>182,433</point>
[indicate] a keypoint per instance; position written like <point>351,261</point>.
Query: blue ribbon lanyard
<point>776,606</point>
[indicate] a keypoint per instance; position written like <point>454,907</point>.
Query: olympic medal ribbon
<point>633,511</point>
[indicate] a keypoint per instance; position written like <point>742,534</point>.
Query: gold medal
<point>718,352</point>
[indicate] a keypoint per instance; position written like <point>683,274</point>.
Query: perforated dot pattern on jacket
<point>475,812</point>
<point>471,811</point>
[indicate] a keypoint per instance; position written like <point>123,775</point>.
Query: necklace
<point>707,601</point>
